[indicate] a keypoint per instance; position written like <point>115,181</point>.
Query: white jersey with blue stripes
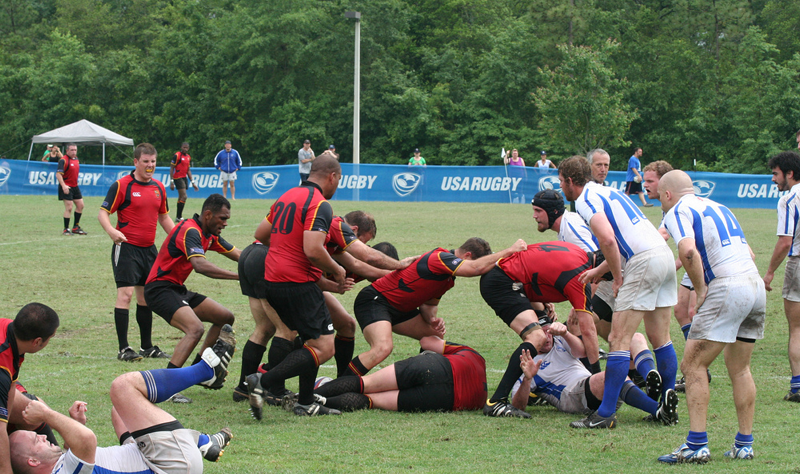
<point>789,218</point>
<point>575,231</point>
<point>633,232</point>
<point>125,459</point>
<point>559,370</point>
<point>717,234</point>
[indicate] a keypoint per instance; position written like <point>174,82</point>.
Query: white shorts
<point>791,280</point>
<point>687,282</point>
<point>605,292</point>
<point>649,281</point>
<point>172,452</point>
<point>735,307</point>
<point>573,398</point>
<point>223,176</point>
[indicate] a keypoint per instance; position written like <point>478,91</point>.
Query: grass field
<point>73,275</point>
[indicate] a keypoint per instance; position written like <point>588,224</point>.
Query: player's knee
<point>383,349</point>
<point>121,386</point>
<point>345,327</point>
<point>226,317</point>
<point>195,331</point>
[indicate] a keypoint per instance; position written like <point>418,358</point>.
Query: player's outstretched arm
<point>472,268</point>
<point>204,267</point>
<point>360,268</point>
<point>367,254</point>
<point>81,440</point>
<point>233,254</point>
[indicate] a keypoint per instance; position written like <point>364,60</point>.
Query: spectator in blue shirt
<point>634,177</point>
<point>228,162</point>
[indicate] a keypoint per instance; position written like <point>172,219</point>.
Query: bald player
<point>731,308</point>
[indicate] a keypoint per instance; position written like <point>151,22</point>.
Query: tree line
<point>711,82</point>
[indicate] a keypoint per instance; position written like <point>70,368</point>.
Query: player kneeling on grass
<point>731,308</point>
<point>445,377</point>
<point>151,439</point>
<point>557,375</point>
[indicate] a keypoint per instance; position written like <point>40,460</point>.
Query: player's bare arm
<point>690,257</point>
<point>782,247</point>
<point>472,268</point>
<point>367,254</point>
<point>529,370</point>
<point>314,248</point>
<point>575,343</point>
<point>81,440</point>
<point>602,229</point>
<point>360,268</point>
<point>166,222</point>
<point>233,254</point>
<point>105,222</point>
<point>202,266</point>
<point>263,232</point>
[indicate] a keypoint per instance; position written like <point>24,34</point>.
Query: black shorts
<point>132,264</point>
<point>165,298</point>
<point>181,183</point>
<point>300,306</point>
<point>425,383</point>
<point>504,295</point>
<point>371,307</point>
<point>632,187</point>
<point>602,309</point>
<point>251,268</point>
<point>592,402</point>
<point>73,194</point>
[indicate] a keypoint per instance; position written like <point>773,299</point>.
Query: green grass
<point>73,275</point>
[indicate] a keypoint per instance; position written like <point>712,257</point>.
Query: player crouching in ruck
<point>151,439</point>
<point>557,375</point>
<point>444,377</point>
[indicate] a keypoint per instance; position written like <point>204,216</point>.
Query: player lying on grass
<point>151,439</point>
<point>557,375</point>
<point>445,377</point>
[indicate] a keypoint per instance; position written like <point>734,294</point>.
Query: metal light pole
<point>356,99</point>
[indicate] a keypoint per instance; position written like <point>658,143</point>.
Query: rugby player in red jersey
<point>185,250</point>
<point>68,190</point>
<point>406,301</point>
<point>140,202</point>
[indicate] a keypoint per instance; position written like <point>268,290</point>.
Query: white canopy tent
<point>82,131</point>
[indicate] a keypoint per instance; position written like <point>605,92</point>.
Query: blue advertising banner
<point>368,182</point>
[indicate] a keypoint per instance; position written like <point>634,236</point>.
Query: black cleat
<point>240,394</point>
<point>502,408</point>
<point>224,349</point>
<point>78,231</point>
<point>315,409</point>
<point>216,444</point>
<point>595,421</point>
<point>154,353</point>
<point>256,394</point>
<point>653,385</point>
<point>667,412</point>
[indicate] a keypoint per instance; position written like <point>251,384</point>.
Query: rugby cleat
<point>653,385</point>
<point>315,409</point>
<point>792,397</point>
<point>78,231</point>
<point>179,398</point>
<point>745,452</point>
<point>128,355</point>
<point>154,353</point>
<point>66,233</point>
<point>595,422</point>
<point>224,349</point>
<point>276,399</point>
<point>668,409</point>
<point>213,360</point>
<point>685,454</point>
<point>288,401</point>
<point>502,408</point>
<point>240,394</point>
<point>216,444</point>
<point>256,394</point>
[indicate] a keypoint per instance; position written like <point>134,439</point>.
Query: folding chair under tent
<point>84,132</point>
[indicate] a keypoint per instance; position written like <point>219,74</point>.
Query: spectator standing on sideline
<point>516,167</point>
<point>181,175</point>
<point>634,177</point>
<point>544,162</point>
<point>46,156</point>
<point>786,174</point>
<point>68,190</point>
<point>331,151</point>
<point>417,159</point>
<point>305,156</point>
<point>140,202</point>
<point>228,162</point>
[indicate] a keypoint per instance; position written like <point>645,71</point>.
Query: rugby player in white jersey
<point>731,307</point>
<point>786,174</point>
<point>648,290</point>
<point>557,375</point>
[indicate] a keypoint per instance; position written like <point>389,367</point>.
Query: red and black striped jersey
<point>181,162</point>
<point>339,237</point>
<point>549,273</point>
<point>186,240</point>
<point>469,377</point>
<point>138,206</point>
<point>296,211</point>
<point>10,361</point>
<point>69,168</point>
<point>429,277</point>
